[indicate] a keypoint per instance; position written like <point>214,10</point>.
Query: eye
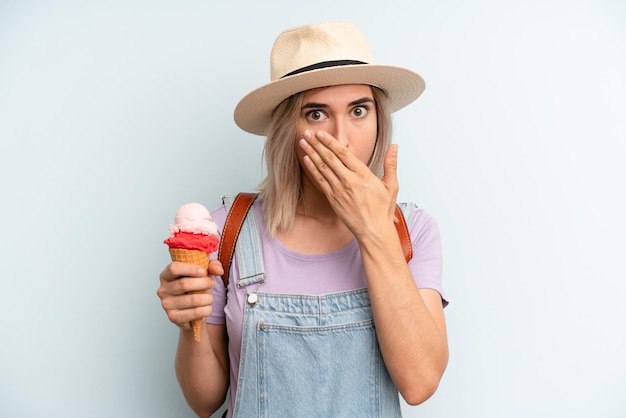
<point>316,115</point>
<point>359,111</point>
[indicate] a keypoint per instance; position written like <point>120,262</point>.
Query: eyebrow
<point>352,103</point>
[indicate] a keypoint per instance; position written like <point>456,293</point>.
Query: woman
<point>336,323</point>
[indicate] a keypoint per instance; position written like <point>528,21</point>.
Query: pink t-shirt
<point>290,272</point>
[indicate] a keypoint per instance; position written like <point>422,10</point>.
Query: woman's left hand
<point>362,200</point>
<point>412,330</point>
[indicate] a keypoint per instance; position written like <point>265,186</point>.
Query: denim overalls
<point>304,355</point>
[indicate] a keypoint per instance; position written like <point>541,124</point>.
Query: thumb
<point>390,167</point>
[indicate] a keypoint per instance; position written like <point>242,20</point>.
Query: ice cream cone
<point>199,258</point>
<point>193,237</point>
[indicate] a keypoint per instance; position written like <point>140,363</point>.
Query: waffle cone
<point>199,258</point>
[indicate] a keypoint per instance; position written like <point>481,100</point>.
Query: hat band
<point>324,64</point>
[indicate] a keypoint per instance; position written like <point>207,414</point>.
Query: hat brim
<point>402,86</point>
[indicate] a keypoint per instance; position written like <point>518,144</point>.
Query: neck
<point>317,221</point>
<point>314,204</point>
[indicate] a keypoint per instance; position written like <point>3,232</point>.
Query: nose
<point>340,131</point>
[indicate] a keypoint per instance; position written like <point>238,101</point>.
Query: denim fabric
<point>307,356</point>
<point>312,356</point>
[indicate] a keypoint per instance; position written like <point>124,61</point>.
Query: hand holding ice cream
<point>194,237</point>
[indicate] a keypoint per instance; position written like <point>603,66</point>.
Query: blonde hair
<point>281,189</point>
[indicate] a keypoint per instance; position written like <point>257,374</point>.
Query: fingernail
<point>319,134</point>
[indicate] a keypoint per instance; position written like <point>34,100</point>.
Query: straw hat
<point>320,55</point>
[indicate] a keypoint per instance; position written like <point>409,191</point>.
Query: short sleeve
<point>426,264</point>
<point>219,291</point>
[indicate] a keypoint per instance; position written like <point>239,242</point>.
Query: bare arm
<point>201,366</point>
<point>410,324</point>
<point>202,369</point>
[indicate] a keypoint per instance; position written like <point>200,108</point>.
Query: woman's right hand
<point>186,291</point>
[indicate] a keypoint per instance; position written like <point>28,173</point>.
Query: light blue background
<point>112,114</point>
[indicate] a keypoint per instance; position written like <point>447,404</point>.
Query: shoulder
<point>220,213</point>
<point>219,216</point>
<point>422,225</point>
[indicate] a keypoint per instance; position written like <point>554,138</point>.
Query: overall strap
<point>235,221</point>
<point>400,223</point>
<point>232,227</point>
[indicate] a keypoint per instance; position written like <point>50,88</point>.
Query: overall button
<point>253,299</point>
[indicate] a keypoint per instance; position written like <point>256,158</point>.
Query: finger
<point>317,176</point>
<point>390,169</point>
<point>191,284</point>
<point>313,162</point>
<point>183,317</point>
<point>188,301</point>
<point>185,285</point>
<point>176,269</point>
<point>323,162</point>
<point>319,153</point>
<point>215,268</point>
<point>340,153</point>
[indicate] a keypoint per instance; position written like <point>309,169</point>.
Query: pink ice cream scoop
<point>193,229</point>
